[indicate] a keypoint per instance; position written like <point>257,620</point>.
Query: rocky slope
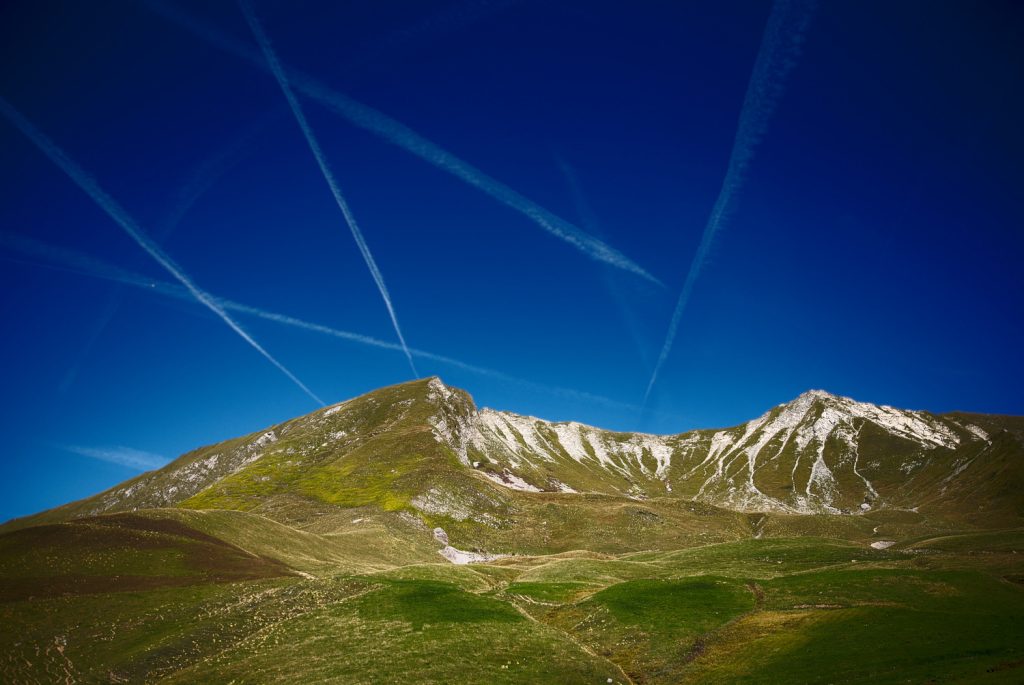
<point>424,449</point>
<point>819,453</point>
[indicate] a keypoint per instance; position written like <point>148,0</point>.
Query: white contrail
<point>402,136</point>
<point>198,184</point>
<point>70,260</point>
<point>780,48</point>
<point>81,264</point>
<point>124,456</point>
<point>471,368</point>
<point>321,160</point>
<point>121,216</point>
<point>586,215</point>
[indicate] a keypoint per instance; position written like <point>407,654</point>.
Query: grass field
<point>310,552</point>
<point>187,596</point>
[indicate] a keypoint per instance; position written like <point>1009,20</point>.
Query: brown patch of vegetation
<point>120,553</point>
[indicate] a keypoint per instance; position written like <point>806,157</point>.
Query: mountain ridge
<point>819,453</point>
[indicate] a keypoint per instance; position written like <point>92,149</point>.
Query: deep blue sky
<point>875,249</point>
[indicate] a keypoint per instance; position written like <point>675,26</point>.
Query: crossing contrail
<point>73,261</point>
<point>321,160</point>
<point>780,48</point>
<point>202,179</point>
<point>400,135</point>
<point>123,219</point>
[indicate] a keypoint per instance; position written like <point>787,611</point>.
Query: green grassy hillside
<point>318,550</point>
<point>767,611</point>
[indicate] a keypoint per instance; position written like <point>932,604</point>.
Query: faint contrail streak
<point>123,219</point>
<point>472,368</point>
<point>110,306</point>
<point>590,222</point>
<point>79,263</point>
<point>198,184</point>
<point>402,136</point>
<point>321,160</point>
<point>123,456</point>
<point>780,48</point>
<point>206,174</point>
<point>446,20</point>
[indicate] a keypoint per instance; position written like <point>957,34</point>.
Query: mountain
<point>426,449</point>
<point>408,536</point>
<point>819,453</point>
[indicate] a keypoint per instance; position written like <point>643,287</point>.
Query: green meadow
<point>147,597</point>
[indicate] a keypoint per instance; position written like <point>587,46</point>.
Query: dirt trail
<point>576,642</point>
<point>701,643</point>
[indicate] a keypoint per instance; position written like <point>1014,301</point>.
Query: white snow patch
<point>978,432</point>
<point>823,481</point>
<point>460,557</point>
<point>506,427</point>
<point>510,480</point>
<point>719,442</point>
<point>570,437</point>
<point>640,444</point>
<point>910,425</point>
<point>591,436</point>
<point>883,544</point>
